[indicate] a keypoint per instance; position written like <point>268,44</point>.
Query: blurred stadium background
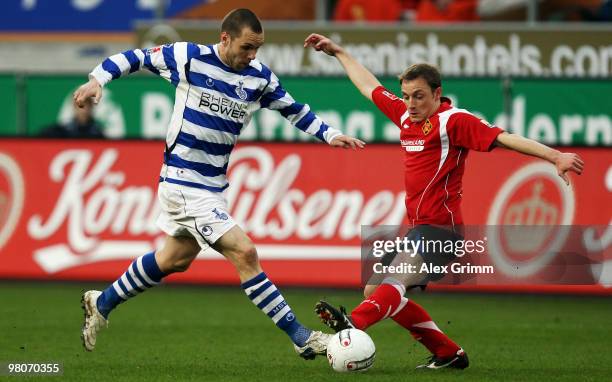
<point>74,212</point>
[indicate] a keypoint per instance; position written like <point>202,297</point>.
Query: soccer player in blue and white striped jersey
<point>218,87</point>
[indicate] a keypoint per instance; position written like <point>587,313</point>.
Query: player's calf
<point>264,294</point>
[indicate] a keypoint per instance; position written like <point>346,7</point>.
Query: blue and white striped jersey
<point>212,104</point>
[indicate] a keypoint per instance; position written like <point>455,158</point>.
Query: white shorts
<point>188,211</point>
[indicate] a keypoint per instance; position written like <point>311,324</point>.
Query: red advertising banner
<point>82,210</point>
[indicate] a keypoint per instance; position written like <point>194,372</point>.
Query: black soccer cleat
<point>335,319</point>
<point>458,361</point>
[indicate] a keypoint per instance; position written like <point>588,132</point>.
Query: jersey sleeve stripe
<point>327,133</point>
<point>294,109</point>
<point>149,65</point>
<point>314,127</point>
<point>133,59</point>
<point>303,123</point>
<point>283,103</point>
<point>268,99</point>
<point>295,112</point>
<point>404,117</point>
<point>112,68</point>
<point>122,63</point>
<point>170,62</point>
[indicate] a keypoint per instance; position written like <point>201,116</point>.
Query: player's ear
<point>438,93</point>
<point>225,38</point>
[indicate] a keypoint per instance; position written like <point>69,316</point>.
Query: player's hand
<point>568,162</point>
<point>322,43</point>
<point>347,142</point>
<point>90,89</point>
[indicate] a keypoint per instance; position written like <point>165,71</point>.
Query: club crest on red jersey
<point>427,127</point>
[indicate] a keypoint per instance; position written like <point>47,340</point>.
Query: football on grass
<point>351,350</point>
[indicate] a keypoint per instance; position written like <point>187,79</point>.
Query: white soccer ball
<point>351,350</point>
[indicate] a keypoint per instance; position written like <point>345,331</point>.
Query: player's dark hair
<point>235,21</point>
<point>429,73</point>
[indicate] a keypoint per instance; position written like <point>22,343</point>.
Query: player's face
<point>421,101</point>
<point>239,51</point>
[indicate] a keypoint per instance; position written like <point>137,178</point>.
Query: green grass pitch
<point>216,334</point>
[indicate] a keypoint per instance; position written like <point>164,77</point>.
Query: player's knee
<point>174,265</point>
<point>174,261</point>
<point>246,256</point>
<point>177,254</point>
<point>181,265</point>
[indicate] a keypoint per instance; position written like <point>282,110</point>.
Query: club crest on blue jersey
<point>220,215</point>
<point>240,91</point>
<point>210,82</point>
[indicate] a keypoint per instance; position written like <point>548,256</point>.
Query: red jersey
<point>435,153</point>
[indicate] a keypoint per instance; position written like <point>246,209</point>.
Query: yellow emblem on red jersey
<point>427,127</point>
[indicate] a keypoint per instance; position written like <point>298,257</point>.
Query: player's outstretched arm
<point>163,61</point>
<point>564,162</point>
<point>275,97</point>
<point>363,79</point>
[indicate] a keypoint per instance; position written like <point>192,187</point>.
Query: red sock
<point>414,318</point>
<point>380,305</point>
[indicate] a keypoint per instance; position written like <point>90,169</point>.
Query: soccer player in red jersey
<point>436,137</point>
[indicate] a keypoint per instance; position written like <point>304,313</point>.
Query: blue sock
<point>267,298</point>
<point>142,274</point>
